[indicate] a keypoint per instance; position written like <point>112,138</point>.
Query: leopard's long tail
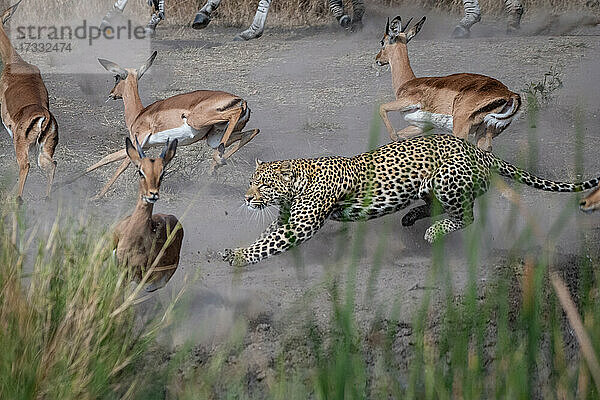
<point>522,176</point>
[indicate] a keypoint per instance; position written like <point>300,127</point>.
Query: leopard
<point>436,167</point>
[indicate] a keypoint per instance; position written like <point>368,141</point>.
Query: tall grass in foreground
<point>64,333</point>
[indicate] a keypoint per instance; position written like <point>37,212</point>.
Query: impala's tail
<point>522,176</point>
<point>502,119</point>
<point>6,49</point>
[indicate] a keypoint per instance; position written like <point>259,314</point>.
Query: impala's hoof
<point>19,201</point>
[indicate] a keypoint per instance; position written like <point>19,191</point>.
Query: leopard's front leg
<point>305,219</point>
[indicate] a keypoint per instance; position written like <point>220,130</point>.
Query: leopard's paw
<point>235,257</point>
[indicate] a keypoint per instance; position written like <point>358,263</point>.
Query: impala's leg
<point>116,156</point>
<point>112,180</point>
<point>46,161</point>
<point>22,152</point>
<point>485,141</point>
<point>245,138</point>
<point>408,132</point>
<point>461,126</point>
<point>396,105</point>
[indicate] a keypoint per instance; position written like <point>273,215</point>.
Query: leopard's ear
<point>285,169</point>
<point>258,161</point>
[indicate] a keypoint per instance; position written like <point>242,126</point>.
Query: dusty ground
<point>312,93</point>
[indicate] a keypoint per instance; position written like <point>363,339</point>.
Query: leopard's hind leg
<point>456,186</point>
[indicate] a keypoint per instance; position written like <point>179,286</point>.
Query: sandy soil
<point>313,93</point>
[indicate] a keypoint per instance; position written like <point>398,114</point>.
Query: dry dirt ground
<point>315,92</point>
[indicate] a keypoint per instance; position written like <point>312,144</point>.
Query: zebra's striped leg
<point>471,17</point>
<point>203,16</point>
<point>120,5</point>
<point>113,13</point>
<point>337,9</point>
<point>157,16</point>
<point>258,24</point>
<point>358,10</point>
<point>514,9</point>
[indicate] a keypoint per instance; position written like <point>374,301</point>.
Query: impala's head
<point>396,35</point>
<point>151,170</point>
<point>271,183</point>
<point>125,76</point>
<point>591,202</point>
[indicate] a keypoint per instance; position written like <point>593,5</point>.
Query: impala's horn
<point>164,152</point>
<point>387,26</point>
<point>139,148</point>
<point>406,26</point>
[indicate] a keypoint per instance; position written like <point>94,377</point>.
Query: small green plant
<point>539,94</point>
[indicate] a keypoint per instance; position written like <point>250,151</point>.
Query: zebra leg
<point>113,13</point>
<point>157,16</point>
<point>337,9</point>
<point>472,16</point>
<point>358,10</point>
<point>203,16</point>
<point>514,9</point>
<point>258,24</point>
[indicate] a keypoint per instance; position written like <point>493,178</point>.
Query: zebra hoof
<point>201,21</point>
<point>460,32</point>
<point>345,21</point>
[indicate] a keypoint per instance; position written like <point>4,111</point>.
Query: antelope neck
<point>142,215</point>
<point>133,103</point>
<point>400,66</point>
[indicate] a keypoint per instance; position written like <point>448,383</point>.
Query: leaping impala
<point>25,110</point>
<point>139,238</point>
<point>462,104</point>
<point>216,116</point>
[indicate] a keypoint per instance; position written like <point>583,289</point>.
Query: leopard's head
<point>271,184</point>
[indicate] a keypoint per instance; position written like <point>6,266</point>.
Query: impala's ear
<point>132,153</point>
<point>146,66</point>
<point>9,12</point>
<point>258,162</point>
<point>169,152</point>
<point>113,68</point>
<point>415,29</point>
<point>285,169</point>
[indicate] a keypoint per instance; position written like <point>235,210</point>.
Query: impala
<point>591,202</point>
<point>25,110</point>
<point>216,116</point>
<point>462,104</point>
<point>139,238</point>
